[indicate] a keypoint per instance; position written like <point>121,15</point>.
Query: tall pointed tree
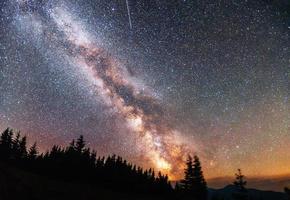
<point>22,147</point>
<point>16,147</point>
<point>194,183</point>
<point>80,144</point>
<point>32,153</point>
<point>199,184</point>
<point>6,138</point>
<point>6,142</point>
<point>187,183</point>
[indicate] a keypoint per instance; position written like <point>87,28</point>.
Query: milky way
<point>142,113</point>
<point>181,78</point>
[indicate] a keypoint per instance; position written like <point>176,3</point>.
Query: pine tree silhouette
<point>200,186</point>
<point>80,144</point>
<point>32,153</point>
<point>240,183</point>
<point>6,142</point>
<point>22,147</point>
<point>194,183</point>
<point>187,182</point>
<point>16,147</point>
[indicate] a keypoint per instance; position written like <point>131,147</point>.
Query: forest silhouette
<point>78,163</point>
<point>77,172</point>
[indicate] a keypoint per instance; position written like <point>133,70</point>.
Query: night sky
<point>185,76</point>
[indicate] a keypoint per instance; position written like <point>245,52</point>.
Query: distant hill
<point>276,183</point>
<point>226,193</point>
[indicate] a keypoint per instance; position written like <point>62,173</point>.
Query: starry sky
<point>153,81</point>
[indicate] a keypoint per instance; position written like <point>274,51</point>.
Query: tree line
<point>78,163</point>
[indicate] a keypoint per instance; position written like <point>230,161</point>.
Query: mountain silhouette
<point>227,192</point>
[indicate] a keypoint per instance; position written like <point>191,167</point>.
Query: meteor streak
<point>129,13</point>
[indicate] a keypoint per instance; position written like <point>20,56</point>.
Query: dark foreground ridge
<point>18,184</point>
<point>74,169</point>
<point>75,172</point>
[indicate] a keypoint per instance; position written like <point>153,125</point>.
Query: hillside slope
<point>19,184</point>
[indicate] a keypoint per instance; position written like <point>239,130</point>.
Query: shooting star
<point>129,14</point>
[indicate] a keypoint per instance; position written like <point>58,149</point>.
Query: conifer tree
<point>6,143</point>
<point>32,153</point>
<point>194,183</point>
<point>6,138</point>
<point>16,147</point>
<point>80,144</point>
<point>199,186</point>
<point>22,147</point>
<point>187,182</point>
<point>240,183</point>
